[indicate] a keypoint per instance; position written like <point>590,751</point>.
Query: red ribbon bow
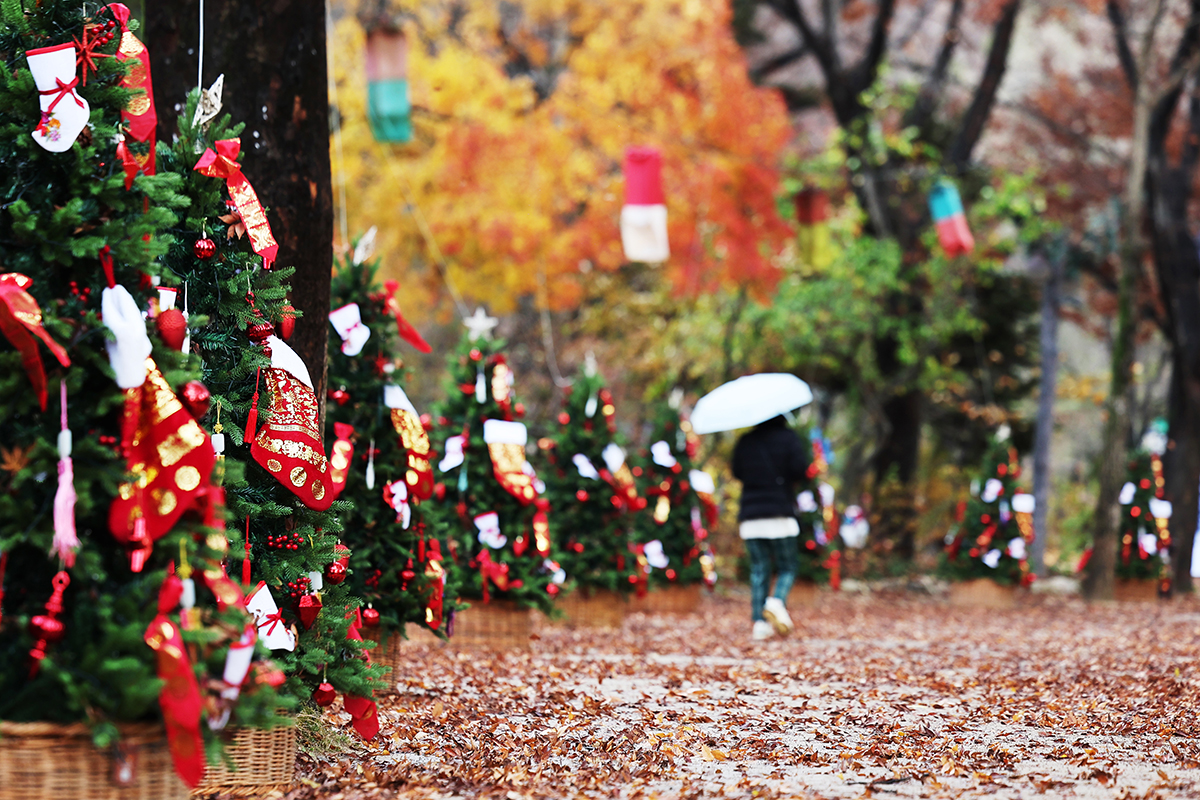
<point>495,572</point>
<point>20,322</point>
<point>223,164</point>
<point>63,90</point>
<point>272,620</point>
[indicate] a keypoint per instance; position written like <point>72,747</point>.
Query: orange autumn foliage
<point>519,176</point>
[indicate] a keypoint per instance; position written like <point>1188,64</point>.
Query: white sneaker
<point>777,616</point>
<point>762,630</point>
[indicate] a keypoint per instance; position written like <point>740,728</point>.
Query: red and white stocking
<point>64,112</point>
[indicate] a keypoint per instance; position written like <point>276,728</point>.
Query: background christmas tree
<point>63,212</point>
<point>676,515</point>
<point>992,537</point>
<point>397,559</point>
<point>513,547</point>
<point>1145,538</point>
<point>290,547</point>
<point>591,490</point>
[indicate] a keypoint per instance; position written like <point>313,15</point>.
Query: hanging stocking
<point>289,445</point>
<point>268,620</point>
<point>347,321</point>
<point>20,322</point>
<point>506,445</point>
<point>170,458</point>
<point>130,347</point>
<point>395,494</point>
<point>414,439</point>
<point>66,542</point>
<point>340,460</point>
<point>180,696</point>
<point>64,112</point>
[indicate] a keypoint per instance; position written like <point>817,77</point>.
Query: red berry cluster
<point>299,587</point>
<point>372,580</point>
<point>287,541</point>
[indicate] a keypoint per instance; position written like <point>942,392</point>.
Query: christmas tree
<point>280,486</point>
<point>1145,538</point>
<point>819,553</point>
<point>111,583</point>
<point>674,527</point>
<point>396,557</point>
<point>591,489</point>
<point>996,524</point>
<point>486,498</point>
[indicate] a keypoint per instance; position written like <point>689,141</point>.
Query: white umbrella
<point>748,401</point>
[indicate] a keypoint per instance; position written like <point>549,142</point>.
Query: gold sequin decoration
<point>274,465</point>
<point>411,478</point>
<point>187,478</point>
<point>165,499</point>
<point>299,476</point>
<point>412,433</point>
<point>318,489</point>
<point>130,46</point>
<point>138,104</point>
<point>507,457</point>
<point>183,441</point>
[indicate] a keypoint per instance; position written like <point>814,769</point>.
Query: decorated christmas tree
<point>819,546</point>
<point>996,524</point>
<point>396,556</point>
<point>1145,515</point>
<point>487,499</point>
<point>673,529</point>
<point>114,604</point>
<point>281,488</point>
<point>591,490</point>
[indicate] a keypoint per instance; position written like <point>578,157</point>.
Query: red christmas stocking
<point>415,441</point>
<point>169,458</point>
<point>506,445</point>
<point>289,444</point>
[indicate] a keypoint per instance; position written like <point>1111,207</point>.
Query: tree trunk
<point>1045,413</point>
<point>274,61</point>
<point>1179,277</point>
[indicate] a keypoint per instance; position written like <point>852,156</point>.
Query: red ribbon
<point>407,332</point>
<point>492,571</point>
<point>223,164</point>
<point>364,715</point>
<point>272,620</point>
<point>180,697</point>
<point>63,90</point>
<point>20,322</point>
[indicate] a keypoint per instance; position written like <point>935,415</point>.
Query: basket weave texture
<point>982,593</point>
<point>42,759</point>
<point>592,608</point>
<point>670,600</point>
<point>262,759</point>
<point>500,624</point>
<point>1136,591</point>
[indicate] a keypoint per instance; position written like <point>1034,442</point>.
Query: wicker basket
<point>1132,590</point>
<point>982,593</point>
<point>45,760</point>
<point>500,624</point>
<point>263,760</point>
<point>670,600</point>
<point>592,608</point>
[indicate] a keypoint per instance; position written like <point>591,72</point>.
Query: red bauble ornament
<point>563,418</point>
<point>519,408</point>
<point>439,491</point>
<point>172,327</point>
<point>552,590</point>
<point>581,495</point>
<point>204,248</point>
<point>370,617</point>
<point>196,398</point>
<point>339,396</point>
<point>287,323</point>
<point>324,694</point>
<point>310,609</point>
<point>335,572</point>
<point>476,355</point>
<point>46,627</point>
<point>408,575</point>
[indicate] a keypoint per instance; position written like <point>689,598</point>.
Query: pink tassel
<point>66,542</point>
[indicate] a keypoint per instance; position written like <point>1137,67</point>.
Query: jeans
<point>783,553</point>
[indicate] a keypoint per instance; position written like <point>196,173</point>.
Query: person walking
<point>769,461</point>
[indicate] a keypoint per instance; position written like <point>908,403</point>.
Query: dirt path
<point>888,697</point>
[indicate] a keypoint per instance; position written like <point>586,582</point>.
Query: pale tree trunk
<point>1045,413</point>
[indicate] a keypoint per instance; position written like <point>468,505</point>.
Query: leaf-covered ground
<point>884,696</point>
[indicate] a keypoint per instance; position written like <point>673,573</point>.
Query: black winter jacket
<point>769,461</point>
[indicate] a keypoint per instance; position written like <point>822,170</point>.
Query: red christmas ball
<point>324,694</point>
<point>552,590</point>
<point>563,418</point>
<point>408,574</point>
<point>439,491</point>
<point>520,409</point>
<point>196,398</point>
<point>581,495</point>
<point>637,472</point>
<point>633,578</point>
<point>426,422</point>
<point>476,355</point>
<point>370,617</point>
<point>343,553</point>
<point>287,323</point>
<point>541,504</point>
<point>204,248</point>
<point>46,627</point>
<point>670,574</point>
<point>335,572</point>
<point>172,327</point>
<point>339,396</point>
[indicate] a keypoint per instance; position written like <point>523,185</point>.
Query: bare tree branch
<point>989,83</point>
<point>777,62</point>
<point>927,101</point>
<point>865,71</point>
<point>1121,35</point>
<point>793,12</point>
